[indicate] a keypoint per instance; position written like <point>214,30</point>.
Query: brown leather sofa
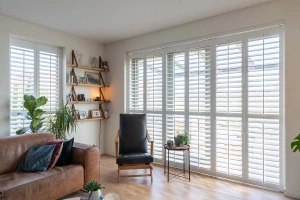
<point>51,184</point>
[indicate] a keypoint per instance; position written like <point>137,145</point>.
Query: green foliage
<point>93,186</point>
<point>182,139</point>
<point>295,146</point>
<point>62,122</point>
<point>35,115</point>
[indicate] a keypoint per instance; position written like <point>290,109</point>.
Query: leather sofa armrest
<point>89,157</point>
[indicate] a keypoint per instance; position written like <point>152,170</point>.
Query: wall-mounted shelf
<point>87,85</point>
<point>101,85</point>
<point>88,102</point>
<point>88,68</point>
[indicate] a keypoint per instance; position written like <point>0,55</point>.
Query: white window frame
<point>270,28</point>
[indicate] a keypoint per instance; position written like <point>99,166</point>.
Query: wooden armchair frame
<point>134,166</point>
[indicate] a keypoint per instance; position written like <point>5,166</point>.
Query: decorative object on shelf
<point>34,114</point>
<point>78,57</point>
<point>81,80</point>
<point>106,113</point>
<point>100,63</point>
<point>181,139</point>
<point>95,189</point>
<point>97,98</point>
<point>92,78</point>
<point>63,122</point>
<point>81,114</point>
<point>70,97</point>
<point>94,62</point>
<point>89,100</point>
<point>95,113</point>
<point>71,78</point>
<point>105,65</point>
<point>170,143</point>
<point>80,97</point>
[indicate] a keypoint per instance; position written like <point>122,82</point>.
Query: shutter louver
<point>199,80</point>
<point>154,127</point>
<point>175,81</point>
<point>49,79</point>
<point>136,84</point>
<point>21,82</point>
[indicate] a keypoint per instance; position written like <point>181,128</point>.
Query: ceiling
<point>107,21</point>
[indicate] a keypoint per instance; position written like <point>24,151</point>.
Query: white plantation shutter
<point>263,73</point>
<point>136,84</point>
<point>225,91</point>
<point>175,81</point>
<point>48,84</point>
<point>22,80</point>
<point>34,70</point>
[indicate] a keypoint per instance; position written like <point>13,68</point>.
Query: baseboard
<point>291,193</point>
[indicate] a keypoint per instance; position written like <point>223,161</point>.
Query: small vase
<point>96,195</point>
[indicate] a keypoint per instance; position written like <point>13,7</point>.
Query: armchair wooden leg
<point>118,175</point>
<point>151,174</point>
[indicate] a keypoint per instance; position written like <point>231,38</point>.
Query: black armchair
<point>131,145</point>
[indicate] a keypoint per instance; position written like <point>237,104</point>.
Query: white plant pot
<point>96,194</point>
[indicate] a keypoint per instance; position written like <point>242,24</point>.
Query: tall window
<point>34,70</point>
<point>226,92</point>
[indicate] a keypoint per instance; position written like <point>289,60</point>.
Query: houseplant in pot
<point>62,122</point>
<point>34,114</point>
<point>95,189</point>
<point>181,139</point>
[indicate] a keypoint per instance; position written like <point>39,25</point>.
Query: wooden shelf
<point>91,119</point>
<point>88,67</point>
<point>87,85</point>
<point>88,102</point>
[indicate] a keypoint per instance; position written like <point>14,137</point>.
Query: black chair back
<point>132,133</point>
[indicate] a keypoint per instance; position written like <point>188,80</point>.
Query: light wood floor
<point>200,187</point>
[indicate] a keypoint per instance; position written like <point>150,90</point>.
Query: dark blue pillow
<point>65,157</point>
<point>37,159</point>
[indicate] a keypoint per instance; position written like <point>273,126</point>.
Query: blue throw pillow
<point>37,159</point>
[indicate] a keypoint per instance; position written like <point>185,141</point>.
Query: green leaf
<point>41,101</point>
<point>38,113</point>
<point>24,115</point>
<point>295,145</point>
<point>29,98</point>
<point>22,131</point>
<point>30,106</point>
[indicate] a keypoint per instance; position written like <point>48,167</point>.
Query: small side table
<point>183,148</point>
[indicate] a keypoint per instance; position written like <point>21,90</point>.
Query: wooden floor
<point>200,187</point>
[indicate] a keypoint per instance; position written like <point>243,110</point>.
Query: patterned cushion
<point>56,152</point>
<point>37,159</point>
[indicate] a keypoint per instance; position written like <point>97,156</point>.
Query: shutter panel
<point>200,141</point>
<point>154,83</point>
<point>199,79</point>
<point>49,62</point>
<point>175,81</point>
<point>22,61</point>
<point>263,75</point>
<point>136,84</point>
<point>154,127</point>
<point>229,77</point>
<point>229,145</point>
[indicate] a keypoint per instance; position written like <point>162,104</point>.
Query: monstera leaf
<point>295,146</point>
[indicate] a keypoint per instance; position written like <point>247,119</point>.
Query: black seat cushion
<point>132,133</point>
<point>134,158</point>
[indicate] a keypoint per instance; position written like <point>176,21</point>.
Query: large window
<point>226,92</point>
<point>34,70</point>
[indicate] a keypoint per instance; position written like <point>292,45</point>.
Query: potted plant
<point>34,114</point>
<point>295,145</point>
<point>62,122</point>
<point>94,188</point>
<point>181,139</point>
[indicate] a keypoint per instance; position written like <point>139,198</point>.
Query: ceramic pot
<point>96,195</point>
<point>178,142</point>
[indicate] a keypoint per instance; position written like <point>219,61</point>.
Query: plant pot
<point>178,142</point>
<point>170,143</point>
<point>96,195</point>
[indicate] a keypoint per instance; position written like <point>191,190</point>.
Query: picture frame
<point>96,114</point>
<point>82,114</point>
<point>92,78</point>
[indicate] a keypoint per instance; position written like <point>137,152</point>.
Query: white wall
<point>287,10</point>
<point>88,132</point>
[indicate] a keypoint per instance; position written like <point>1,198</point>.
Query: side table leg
<point>189,166</point>
<point>165,162</point>
<point>183,161</point>
<point>168,164</point>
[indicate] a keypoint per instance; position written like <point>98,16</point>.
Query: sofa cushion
<point>52,184</point>
<point>66,153</point>
<point>37,159</point>
<point>134,158</point>
<point>14,148</point>
<point>56,152</point>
